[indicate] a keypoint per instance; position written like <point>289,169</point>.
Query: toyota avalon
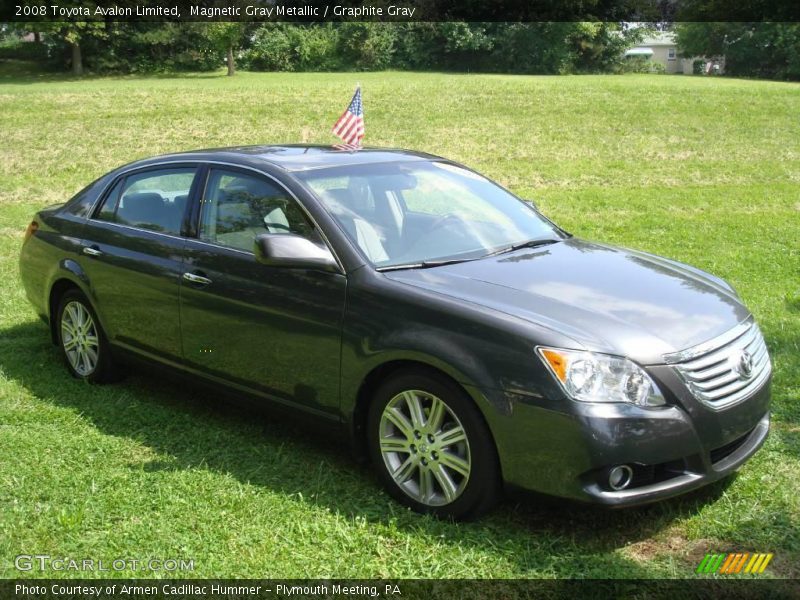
<point>461,340</point>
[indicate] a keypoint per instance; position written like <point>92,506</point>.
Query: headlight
<point>591,377</point>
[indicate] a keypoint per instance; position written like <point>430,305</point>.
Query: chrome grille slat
<point>739,390</point>
<point>753,343</point>
<point>705,363</point>
<point>711,370</point>
<point>727,377</point>
<point>725,391</point>
<point>758,355</point>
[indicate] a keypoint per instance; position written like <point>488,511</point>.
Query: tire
<point>440,461</point>
<point>82,341</point>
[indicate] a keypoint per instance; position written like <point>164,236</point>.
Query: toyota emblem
<point>745,365</point>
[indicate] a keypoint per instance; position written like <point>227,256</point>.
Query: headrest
<point>355,198</point>
<point>143,200</point>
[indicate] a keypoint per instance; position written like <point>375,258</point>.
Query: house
<point>662,48</point>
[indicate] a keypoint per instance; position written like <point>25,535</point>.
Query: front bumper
<point>565,448</point>
<point>695,473</point>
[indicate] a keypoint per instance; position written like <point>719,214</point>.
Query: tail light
<point>33,227</point>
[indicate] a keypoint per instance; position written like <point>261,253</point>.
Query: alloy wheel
<point>79,338</point>
<point>425,447</point>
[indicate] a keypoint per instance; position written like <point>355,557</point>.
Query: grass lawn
<point>702,170</point>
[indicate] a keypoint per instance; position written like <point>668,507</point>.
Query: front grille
<point>716,371</point>
<point>725,451</point>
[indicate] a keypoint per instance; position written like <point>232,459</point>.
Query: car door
<point>275,331</point>
<point>132,256</point>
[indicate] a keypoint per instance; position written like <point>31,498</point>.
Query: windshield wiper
<point>521,245</point>
<point>427,264</point>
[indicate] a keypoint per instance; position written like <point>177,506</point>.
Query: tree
<point>75,34</point>
<point>768,50</point>
<point>227,36</point>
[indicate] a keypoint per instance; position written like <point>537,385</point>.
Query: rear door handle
<point>92,251</point>
<point>199,279</point>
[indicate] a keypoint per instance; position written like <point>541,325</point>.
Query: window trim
<point>201,179</point>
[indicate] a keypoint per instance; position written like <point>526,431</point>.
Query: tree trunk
<point>77,60</point>
<point>231,65</point>
<point>37,37</point>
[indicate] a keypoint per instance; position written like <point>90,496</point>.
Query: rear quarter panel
<point>49,255</point>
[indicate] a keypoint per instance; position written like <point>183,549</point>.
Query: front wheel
<point>82,340</point>
<point>431,447</point>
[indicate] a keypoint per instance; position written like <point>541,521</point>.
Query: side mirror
<point>292,251</point>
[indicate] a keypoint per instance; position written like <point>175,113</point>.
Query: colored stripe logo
<point>734,562</point>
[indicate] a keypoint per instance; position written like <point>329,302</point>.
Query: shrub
<point>15,48</point>
<point>640,64</point>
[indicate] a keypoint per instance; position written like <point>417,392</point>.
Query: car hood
<point>605,298</point>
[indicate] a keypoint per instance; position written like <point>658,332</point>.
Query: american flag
<point>350,126</point>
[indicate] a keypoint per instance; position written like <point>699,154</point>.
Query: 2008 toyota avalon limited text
<point>459,338</point>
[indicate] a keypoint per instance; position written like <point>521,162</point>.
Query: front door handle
<point>196,278</point>
<point>92,251</point>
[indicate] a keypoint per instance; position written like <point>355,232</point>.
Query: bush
<point>287,47</point>
<point>366,46</point>
<point>270,50</point>
<point>15,48</point>
<point>640,64</point>
<point>316,48</point>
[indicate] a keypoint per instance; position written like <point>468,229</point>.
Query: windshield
<point>410,213</point>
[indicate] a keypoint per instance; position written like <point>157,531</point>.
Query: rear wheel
<point>431,448</point>
<point>82,341</point>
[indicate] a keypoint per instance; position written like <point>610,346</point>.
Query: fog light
<point>620,477</point>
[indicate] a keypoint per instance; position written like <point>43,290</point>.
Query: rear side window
<point>108,210</point>
<point>153,200</point>
<point>81,203</point>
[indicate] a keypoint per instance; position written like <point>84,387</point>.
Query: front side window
<point>152,200</point>
<point>238,207</point>
<point>412,212</point>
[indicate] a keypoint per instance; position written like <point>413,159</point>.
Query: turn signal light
<point>33,227</point>
<point>557,362</point>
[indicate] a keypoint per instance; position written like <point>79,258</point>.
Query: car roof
<point>298,157</point>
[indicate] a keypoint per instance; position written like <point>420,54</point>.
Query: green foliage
<point>271,49</point>
<point>600,47</point>
<point>316,48</point>
<point>155,47</point>
<point>491,47</point>
<point>367,46</point>
<point>639,64</point>
<point>418,46</point>
<point>542,48</point>
<point>356,46</point>
<point>12,47</point>
<point>286,47</point>
<point>766,50</point>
